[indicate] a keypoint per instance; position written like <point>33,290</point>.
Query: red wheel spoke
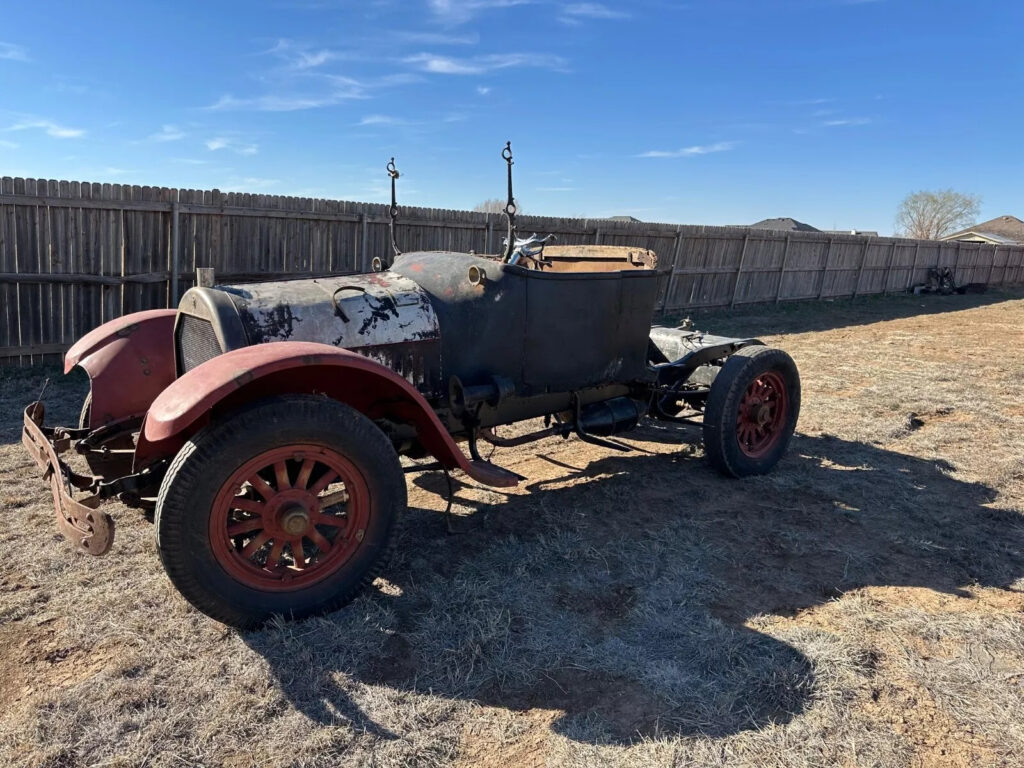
<point>328,477</point>
<point>254,545</point>
<point>245,526</point>
<point>304,472</point>
<point>295,487</point>
<point>297,554</point>
<point>275,554</point>
<point>248,505</point>
<point>261,487</point>
<point>761,420</point>
<point>318,538</point>
<point>281,475</point>
<point>333,521</point>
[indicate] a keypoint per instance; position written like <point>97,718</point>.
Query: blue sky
<point>702,112</point>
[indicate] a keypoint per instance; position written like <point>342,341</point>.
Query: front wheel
<point>286,507</point>
<point>751,411</point>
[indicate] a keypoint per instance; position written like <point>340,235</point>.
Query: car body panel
<point>129,362</point>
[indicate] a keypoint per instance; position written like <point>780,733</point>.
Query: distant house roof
<point>1002,230</point>
<point>868,232</point>
<point>784,225</point>
<point>623,218</point>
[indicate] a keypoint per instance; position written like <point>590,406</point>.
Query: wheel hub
<point>289,517</point>
<point>760,413</point>
<point>763,410</point>
<point>294,519</point>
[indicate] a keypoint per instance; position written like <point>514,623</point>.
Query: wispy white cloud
<point>382,120</point>
<point>476,65</point>
<point>459,11</point>
<point>451,117</point>
<point>436,38</point>
<point>698,149</point>
<point>319,90</point>
<point>556,189</point>
<point>8,144</point>
<point>188,161</point>
<point>806,102</point>
<point>231,144</point>
<point>576,13</point>
<point>111,171</point>
<point>78,89</point>
<point>51,128</point>
<point>12,52</point>
<point>300,56</point>
<point>845,121</point>
<point>287,102</point>
<point>167,133</point>
<point>483,90</point>
<point>248,184</point>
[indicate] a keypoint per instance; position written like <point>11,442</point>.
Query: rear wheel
<point>751,411</point>
<point>286,507</point>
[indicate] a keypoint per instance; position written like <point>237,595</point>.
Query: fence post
<point>490,235</point>
<point>175,255</point>
<point>672,273</point>
<point>597,236</point>
<point>913,270</point>
<point>860,270</point>
<point>363,233</point>
<point>956,264</point>
<point>888,268</point>
<point>992,265</point>
<point>782,271</point>
<point>739,270</point>
<point>824,272</point>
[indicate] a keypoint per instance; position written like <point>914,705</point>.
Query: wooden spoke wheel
<point>751,411</point>
<point>284,507</point>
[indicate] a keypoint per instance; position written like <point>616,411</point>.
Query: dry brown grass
<point>860,606</point>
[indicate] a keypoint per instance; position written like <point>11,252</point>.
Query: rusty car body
<point>262,423</point>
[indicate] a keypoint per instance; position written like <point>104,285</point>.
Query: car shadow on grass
<point>624,599</point>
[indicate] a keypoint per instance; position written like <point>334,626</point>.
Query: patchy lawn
<point>860,606</point>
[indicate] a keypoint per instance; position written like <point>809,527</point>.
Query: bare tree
<point>494,206</point>
<point>931,215</point>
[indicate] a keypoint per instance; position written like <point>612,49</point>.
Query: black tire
<point>722,441</point>
<point>208,461</point>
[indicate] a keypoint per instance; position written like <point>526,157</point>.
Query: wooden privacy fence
<point>75,254</point>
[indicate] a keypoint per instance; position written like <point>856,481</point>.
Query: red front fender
<point>129,360</point>
<point>287,367</point>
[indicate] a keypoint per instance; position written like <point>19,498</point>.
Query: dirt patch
<point>38,658</point>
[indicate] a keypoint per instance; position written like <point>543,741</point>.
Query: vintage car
<point>263,424</point>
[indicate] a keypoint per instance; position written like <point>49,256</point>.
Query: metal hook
<point>510,205</point>
<point>393,211</point>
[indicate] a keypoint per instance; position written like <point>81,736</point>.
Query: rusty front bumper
<point>78,519</point>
